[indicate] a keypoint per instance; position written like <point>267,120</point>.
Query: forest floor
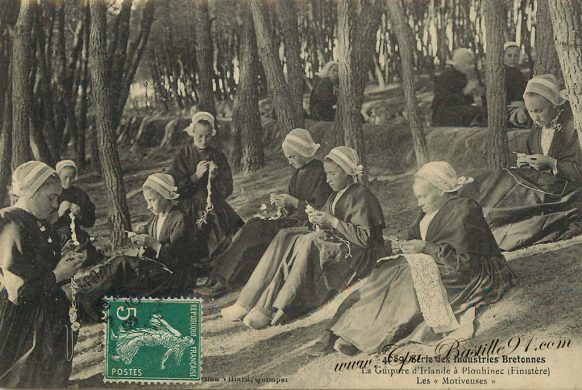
<point>544,304</point>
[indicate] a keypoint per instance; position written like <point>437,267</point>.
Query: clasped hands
<point>145,240</point>
<point>321,218</point>
<point>284,200</point>
<point>408,246</point>
<point>68,206</point>
<point>203,167</point>
<point>538,162</point>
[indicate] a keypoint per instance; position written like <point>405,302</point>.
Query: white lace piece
<point>430,293</point>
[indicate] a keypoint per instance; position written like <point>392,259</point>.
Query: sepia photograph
<point>289,194</point>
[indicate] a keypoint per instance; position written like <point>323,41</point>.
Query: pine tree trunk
<point>405,36</point>
<point>246,119</point>
<point>104,112</point>
<point>6,141</point>
<point>204,57</point>
<point>295,74</point>
<point>22,51</point>
<point>496,97</point>
<point>84,86</point>
<point>567,21</point>
<point>269,55</point>
<point>546,54</point>
<point>358,22</point>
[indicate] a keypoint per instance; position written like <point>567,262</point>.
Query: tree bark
<point>6,141</point>
<point>295,74</point>
<point>546,55</point>
<point>566,19</point>
<point>358,21</point>
<point>134,56</point>
<point>104,112</point>
<point>269,55</point>
<point>204,57</point>
<point>405,38</point>
<point>246,119</point>
<point>22,51</point>
<point>495,14</point>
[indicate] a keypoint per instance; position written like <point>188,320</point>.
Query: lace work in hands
<point>209,206</point>
<point>430,293</point>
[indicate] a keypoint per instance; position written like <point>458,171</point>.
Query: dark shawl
<point>309,185</point>
<point>515,83</point>
<point>323,98</point>
<point>37,313</point>
<point>448,90</point>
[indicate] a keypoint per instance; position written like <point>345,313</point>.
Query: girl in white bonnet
<point>448,265</point>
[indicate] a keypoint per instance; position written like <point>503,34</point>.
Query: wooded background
<point>69,67</point>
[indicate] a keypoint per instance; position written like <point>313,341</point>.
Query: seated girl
<point>36,334</point>
<point>450,266</point>
<point>454,91</point>
<point>165,264</point>
<point>323,99</point>
<point>515,83</point>
<point>192,169</point>
<point>74,203</point>
<point>302,269</point>
<point>307,186</point>
<point>536,201</point>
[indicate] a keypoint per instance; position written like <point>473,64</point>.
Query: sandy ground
<point>545,303</point>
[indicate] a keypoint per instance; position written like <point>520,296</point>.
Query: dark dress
<point>323,98</point>
<point>302,269</point>
<point>34,319</point>
<point>223,222</point>
<point>167,273</point>
<point>308,184</point>
<point>450,106</point>
<point>85,219</point>
<point>515,83</point>
<point>386,309</point>
<point>524,206</point>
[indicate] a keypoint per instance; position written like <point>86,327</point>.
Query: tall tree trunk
<point>495,14</point>
<point>295,74</point>
<point>135,53</point>
<point>269,55</point>
<point>567,18</point>
<point>104,112</point>
<point>358,22</point>
<point>246,119</point>
<point>6,142</point>
<point>546,55</point>
<point>22,51</point>
<point>204,57</point>
<point>82,123</point>
<point>405,38</point>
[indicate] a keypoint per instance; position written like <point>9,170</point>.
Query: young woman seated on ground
<point>166,264</point>
<point>323,99</point>
<point>196,165</point>
<point>453,103</point>
<point>450,265</point>
<point>307,186</point>
<point>301,268</point>
<point>35,331</point>
<point>537,201</point>
<point>515,83</point>
<point>74,203</point>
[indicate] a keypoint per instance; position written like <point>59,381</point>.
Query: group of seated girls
<point>459,93</point>
<point>327,236</point>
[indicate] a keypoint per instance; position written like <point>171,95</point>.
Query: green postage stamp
<point>152,340</point>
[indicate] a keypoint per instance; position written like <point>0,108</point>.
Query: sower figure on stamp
<point>307,186</point>
<point>302,269</point>
<point>36,337</point>
<point>171,246</point>
<point>204,181</point>
<point>75,209</point>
